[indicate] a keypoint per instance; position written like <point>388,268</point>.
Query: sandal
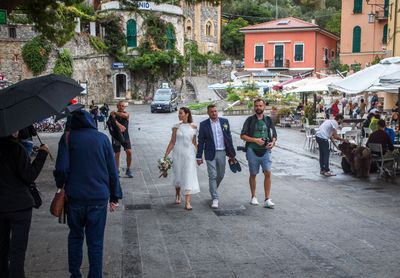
<point>177,199</point>
<point>188,207</point>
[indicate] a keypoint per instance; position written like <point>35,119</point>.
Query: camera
<point>241,148</point>
<point>266,141</point>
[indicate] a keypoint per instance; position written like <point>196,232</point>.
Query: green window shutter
<point>131,33</point>
<point>385,34</point>
<point>357,6</point>
<point>356,39</point>
<point>170,37</point>
<point>386,8</point>
<point>259,55</point>
<point>298,52</point>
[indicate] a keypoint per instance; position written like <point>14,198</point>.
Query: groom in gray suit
<point>215,140</point>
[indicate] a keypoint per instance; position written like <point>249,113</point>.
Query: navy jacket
<point>86,164</point>
<point>206,140</point>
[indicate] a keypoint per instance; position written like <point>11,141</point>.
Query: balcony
<point>277,64</point>
<point>381,15</point>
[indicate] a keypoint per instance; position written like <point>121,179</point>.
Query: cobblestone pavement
<point>321,227</point>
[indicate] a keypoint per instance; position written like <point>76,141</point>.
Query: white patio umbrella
<point>388,83</point>
<point>299,83</point>
<point>361,81</point>
<point>318,85</point>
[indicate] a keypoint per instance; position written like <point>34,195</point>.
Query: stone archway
<point>120,85</point>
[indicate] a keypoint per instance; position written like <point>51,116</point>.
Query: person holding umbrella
<point>16,202</point>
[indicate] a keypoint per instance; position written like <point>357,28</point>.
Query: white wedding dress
<point>184,167</point>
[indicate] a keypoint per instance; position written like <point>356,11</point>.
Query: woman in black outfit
<point>16,174</point>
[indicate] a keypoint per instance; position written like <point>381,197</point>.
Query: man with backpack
<point>260,135</point>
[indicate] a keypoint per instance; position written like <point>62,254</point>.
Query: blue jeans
<point>90,220</point>
<point>255,162</point>
<point>323,145</point>
<point>216,172</point>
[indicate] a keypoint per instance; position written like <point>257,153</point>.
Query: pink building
<point>288,44</point>
<point>364,31</point>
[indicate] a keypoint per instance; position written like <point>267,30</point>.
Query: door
<point>278,59</point>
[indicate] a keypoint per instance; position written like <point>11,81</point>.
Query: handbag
<point>36,195</point>
<point>58,204</point>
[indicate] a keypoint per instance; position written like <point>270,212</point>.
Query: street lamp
<point>371,17</point>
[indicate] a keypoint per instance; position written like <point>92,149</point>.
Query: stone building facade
<point>105,79</point>
<point>203,25</point>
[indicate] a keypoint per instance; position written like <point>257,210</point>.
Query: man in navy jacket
<point>215,140</point>
<point>86,167</point>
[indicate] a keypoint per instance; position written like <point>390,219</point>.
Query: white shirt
<point>325,131</point>
<point>217,135</point>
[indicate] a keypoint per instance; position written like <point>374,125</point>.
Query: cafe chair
<point>353,136</point>
<point>310,142</point>
<point>380,160</point>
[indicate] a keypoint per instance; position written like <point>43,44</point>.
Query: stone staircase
<point>200,85</point>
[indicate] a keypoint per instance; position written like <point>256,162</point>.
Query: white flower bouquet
<point>164,165</point>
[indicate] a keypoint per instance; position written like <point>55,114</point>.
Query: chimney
<point>313,21</point>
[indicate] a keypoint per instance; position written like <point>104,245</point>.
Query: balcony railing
<point>271,64</point>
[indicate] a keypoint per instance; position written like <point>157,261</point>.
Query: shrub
<point>98,44</point>
<point>35,54</point>
<point>233,97</point>
<point>283,112</point>
<point>64,64</point>
<point>198,106</point>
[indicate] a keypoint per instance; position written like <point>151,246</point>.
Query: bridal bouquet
<point>164,165</point>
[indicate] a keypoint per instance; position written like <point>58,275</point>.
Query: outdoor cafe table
<point>353,122</point>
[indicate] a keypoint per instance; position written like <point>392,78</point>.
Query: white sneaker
<point>254,201</point>
<point>214,204</point>
<point>268,204</point>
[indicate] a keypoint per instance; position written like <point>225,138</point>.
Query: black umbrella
<point>68,111</point>
<point>32,100</point>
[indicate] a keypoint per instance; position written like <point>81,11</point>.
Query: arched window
<point>189,28</point>
<point>385,34</point>
<point>209,29</point>
<point>357,6</point>
<point>131,33</point>
<point>357,39</point>
<point>170,37</point>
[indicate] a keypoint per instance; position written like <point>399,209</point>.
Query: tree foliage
<point>232,39</point>
<point>115,38</point>
<point>334,23</point>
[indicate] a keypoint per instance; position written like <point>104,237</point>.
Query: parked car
<point>164,100</point>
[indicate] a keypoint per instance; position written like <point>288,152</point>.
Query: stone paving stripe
<point>138,207</point>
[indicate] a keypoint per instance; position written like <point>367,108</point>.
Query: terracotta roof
<point>282,23</point>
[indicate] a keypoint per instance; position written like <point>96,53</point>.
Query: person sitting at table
<point>335,108</point>
<point>366,123</point>
<point>390,132</point>
<point>381,137</point>
<point>374,122</point>
<point>394,120</point>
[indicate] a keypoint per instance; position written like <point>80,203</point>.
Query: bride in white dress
<point>184,167</point>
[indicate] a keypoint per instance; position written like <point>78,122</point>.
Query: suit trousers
<point>216,172</point>
<point>14,234</point>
